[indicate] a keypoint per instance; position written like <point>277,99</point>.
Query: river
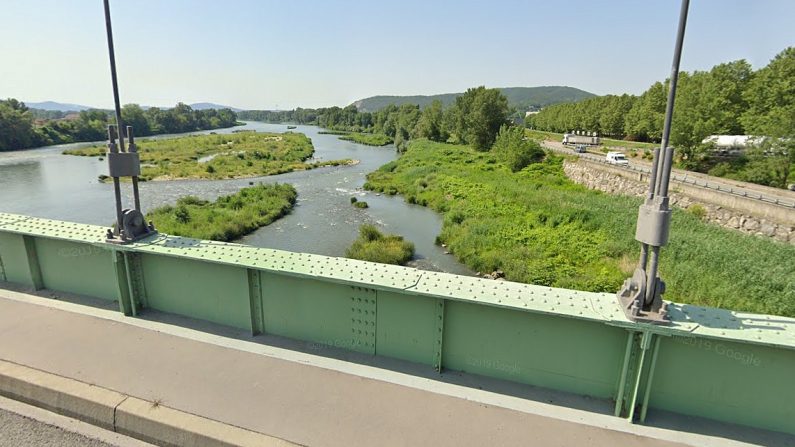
<point>44,183</point>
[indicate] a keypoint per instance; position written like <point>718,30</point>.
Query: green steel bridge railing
<point>713,363</point>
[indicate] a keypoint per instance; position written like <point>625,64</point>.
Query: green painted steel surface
<point>406,327</point>
<point>723,379</point>
<point>543,350</point>
<point>217,293</point>
<point>308,310</point>
<point>77,268</point>
<point>713,363</point>
<point>14,257</point>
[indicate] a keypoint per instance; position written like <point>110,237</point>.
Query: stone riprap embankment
<point>615,180</point>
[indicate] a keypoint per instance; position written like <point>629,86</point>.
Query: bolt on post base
<point>632,298</point>
<point>133,228</point>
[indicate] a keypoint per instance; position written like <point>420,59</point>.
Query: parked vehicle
<point>570,138</point>
<point>617,158</point>
<point>580,149</point>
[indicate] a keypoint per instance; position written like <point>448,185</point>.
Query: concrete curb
<point>137,418</point>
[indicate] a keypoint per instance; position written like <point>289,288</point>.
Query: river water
<point>44,183</point>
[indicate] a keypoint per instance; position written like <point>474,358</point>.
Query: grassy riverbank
<point>374,246</point>
<point>369,139</point>
<point>539,227</point>
<point>214,157</point>
<point>229,217</point>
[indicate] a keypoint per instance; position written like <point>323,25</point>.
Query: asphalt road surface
<point>22,425</point>
<point>750,190</point>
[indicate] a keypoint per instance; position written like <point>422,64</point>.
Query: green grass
<point>333,132</point>
<point>541,135</point>
<point>229,217</point>
<point>238,155</point>
<point>372,245</point>
<point>369,139</point>
<point>540,227</point>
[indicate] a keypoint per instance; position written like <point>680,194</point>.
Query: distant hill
<point>523,98</point>
<point>51,105</point>
<point>63,107</point>
<point>209,105</point>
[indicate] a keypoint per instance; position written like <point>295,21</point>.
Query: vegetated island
<point>229,217</point>
<point>215,157</point>
<point>539,227</point>
<point>359,203</point>
<point>369,139</point>
<point>374,246</point>
<point>366,138</point>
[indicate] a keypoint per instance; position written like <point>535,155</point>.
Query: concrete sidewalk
<point>295,396</point>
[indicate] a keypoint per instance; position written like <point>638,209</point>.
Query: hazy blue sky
<point>268,54</point>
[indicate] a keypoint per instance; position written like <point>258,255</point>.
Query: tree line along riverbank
<point>22,128</point>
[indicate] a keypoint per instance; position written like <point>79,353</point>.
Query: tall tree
<point>771,98</point>
<point>644,121</point>
<point>133,115</point>
<point>431,123</point>
<point>480,114</point>
<point>16,126</point>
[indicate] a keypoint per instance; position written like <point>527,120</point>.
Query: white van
<point>617,158</point>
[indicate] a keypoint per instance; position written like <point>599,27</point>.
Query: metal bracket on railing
<point>641,295</point>
<point>130,223</point>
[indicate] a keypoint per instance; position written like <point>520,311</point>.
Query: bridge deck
<point>314,397</point>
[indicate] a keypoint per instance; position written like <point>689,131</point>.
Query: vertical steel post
<point>112,55</point>
<point>669,107</point>
<point>665,179</point>
<point>665,156</point>
<point>644,248</point>
<point>133,148</point>
<point>116,185</point>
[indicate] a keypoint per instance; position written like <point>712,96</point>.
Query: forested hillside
<point>521,98</point>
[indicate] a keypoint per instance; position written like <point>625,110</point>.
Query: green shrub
<point>697,210</point>
<point>372,245</point>
<point>354,200</point>
<point>191,200</point>
<point>388,167</point>
<point>361,204</point>
<point>181,214</point>
<point>513,149</point>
